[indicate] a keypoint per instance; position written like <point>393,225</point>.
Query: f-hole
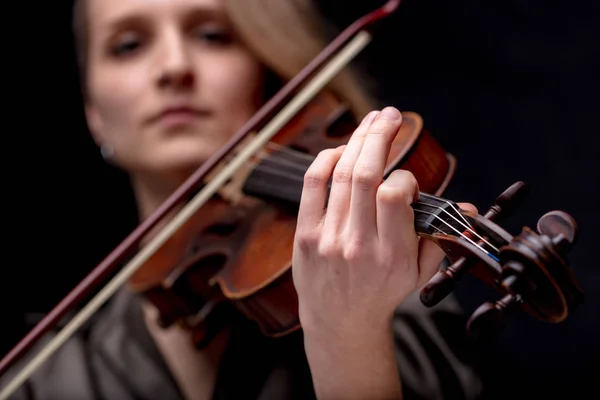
<point>222,228</point>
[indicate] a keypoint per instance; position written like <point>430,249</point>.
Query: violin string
<point>467,226</point>
<point>288,150</point>
<point>429,224</point>
<point>460,234</point>
<point>274,171</point>
<point>278,158</point>
<point>455,210</point>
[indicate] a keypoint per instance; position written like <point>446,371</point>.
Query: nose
<point>175,67</point>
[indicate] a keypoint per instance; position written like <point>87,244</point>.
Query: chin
<point>177,156</point>
<point>185,153</point>
<point>185,165</point>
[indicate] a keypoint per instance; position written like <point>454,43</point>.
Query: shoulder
<point>108,358</point>
<point>435,359</point>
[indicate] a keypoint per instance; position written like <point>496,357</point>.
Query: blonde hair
<point>285,35</point>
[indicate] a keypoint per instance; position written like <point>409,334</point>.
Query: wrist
<point>347,330</point>
<point>361,364</point>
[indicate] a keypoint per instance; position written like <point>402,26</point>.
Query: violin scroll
<point>535,276</point>
<point>530,270</point>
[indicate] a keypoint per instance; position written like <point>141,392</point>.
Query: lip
<point>178,115</point>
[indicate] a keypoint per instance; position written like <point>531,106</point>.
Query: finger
<point>468,207</point>
<point>341,186</point>
<point>431,255</point>
<point>316,187</point>
<point>395,216</point>
<point>430,260</point>
<point>369,169</point>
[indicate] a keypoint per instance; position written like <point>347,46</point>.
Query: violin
<point>239,263</point>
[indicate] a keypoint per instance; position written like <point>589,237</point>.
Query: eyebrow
<point>129,17</point>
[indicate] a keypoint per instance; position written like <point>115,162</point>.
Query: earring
<point>107,151</point>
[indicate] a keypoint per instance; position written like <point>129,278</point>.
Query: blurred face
<point>169,82</point>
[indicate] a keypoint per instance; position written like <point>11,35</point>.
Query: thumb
<point>468,207</point>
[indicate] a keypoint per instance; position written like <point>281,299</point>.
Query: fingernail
<point>370,117</point>
<point>390,113</point>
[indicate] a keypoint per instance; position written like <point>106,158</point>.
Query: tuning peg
<point>561,228</point>
<point>508,201</point>
<point>444,282</point>
<point>490,318</point>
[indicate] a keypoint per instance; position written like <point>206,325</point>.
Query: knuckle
<point>365,177</point>
<point>412,181</point>
<point>400,187</point>
<point>307,240</point>
<point>342,174</point>
<point>407,178</point>
<point>387,194</point>
<point>328,249</point>
<point>317,174</point>
<point>359,133</point>
<point>354,250</point>
<point>314,179</point>
<point>325,153</point>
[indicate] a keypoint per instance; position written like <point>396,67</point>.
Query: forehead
<point>108,12</point>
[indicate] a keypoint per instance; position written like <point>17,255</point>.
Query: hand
<point>356,261</point>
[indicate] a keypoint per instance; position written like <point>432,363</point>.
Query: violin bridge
<point>232,191</point>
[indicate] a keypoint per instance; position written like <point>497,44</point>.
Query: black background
<point>509,87</point>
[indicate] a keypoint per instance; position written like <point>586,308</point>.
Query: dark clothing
<point>114,357</point>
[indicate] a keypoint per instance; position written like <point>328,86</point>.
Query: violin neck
<point>280,178</point>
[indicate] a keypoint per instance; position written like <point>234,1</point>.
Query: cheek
<point>236,87</point>
<point>116,96</point>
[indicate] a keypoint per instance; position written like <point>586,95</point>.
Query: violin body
<point>240,261</point>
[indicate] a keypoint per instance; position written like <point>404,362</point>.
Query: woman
<point>166,83</point>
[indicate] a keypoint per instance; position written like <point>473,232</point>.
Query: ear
<point>94,122</point>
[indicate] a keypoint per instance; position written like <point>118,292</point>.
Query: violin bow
<point>324,67</point>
